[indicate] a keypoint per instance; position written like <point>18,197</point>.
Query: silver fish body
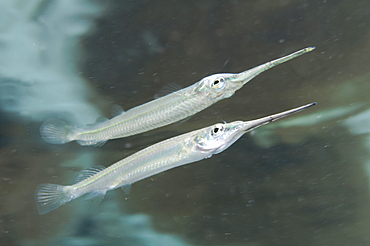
<point>160,112</point>
<point>174,152</point>
<point>154,114</point>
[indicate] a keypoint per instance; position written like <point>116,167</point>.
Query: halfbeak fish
<point>184,149</point>
<point>159,112</point>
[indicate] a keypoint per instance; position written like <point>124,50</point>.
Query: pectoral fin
<point>167,89</point>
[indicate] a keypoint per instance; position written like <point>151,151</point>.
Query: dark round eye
<point>218,83</point>
<point>217,129</point>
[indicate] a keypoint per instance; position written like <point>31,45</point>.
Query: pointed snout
<point>246,76</point>
<point>239,128</point>
<point>250,125</point>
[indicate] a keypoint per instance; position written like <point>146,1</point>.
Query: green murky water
<point>300,181</point>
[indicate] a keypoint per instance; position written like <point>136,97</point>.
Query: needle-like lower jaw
<point>246,76</point>
<point>250,125</point>
<point>239,128</point>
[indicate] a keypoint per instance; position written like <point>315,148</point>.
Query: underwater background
<point>303,180</point>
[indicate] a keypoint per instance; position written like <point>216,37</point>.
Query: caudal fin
<point>56,131</point>
<point>49,197</point>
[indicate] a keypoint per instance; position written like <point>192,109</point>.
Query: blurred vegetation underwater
<point>301,181</point>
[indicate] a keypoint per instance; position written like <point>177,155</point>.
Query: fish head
<point>219,86</point>
<point>217,138</point>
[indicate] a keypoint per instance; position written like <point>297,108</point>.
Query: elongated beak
<point>239,128</point>
<point>246,76</point>
<point>250,125</point>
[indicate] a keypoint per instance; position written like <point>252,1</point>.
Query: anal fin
<point>96,197</point>
<point>126,188</point>
<point>95,143</point>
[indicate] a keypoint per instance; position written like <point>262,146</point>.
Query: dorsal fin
<point>167,89</point>
<point>98,120</point>
<point>116,110</point>
<point>101,119</point>
<point>87,173</point>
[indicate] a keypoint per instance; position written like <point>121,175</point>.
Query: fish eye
<point>218,83</point>
<point>216,130</point>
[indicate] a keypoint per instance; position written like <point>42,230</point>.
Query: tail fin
<point>56,131</point>
<point>49,197</point>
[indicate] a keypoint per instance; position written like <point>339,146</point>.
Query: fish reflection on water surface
<point>170,153</point>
